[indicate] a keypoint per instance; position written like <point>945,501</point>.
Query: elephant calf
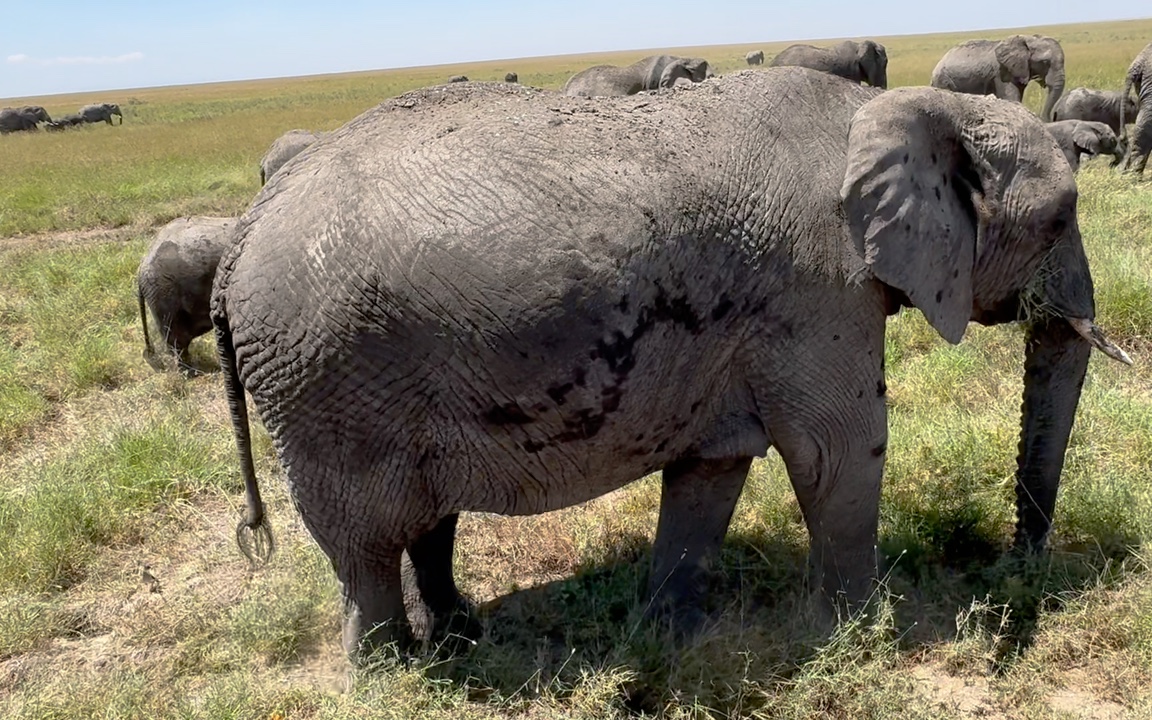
<point>283,149</point>
<point>1103,106</point>
<point>1076,137</point>
<point>175,281</point>
<point>650,73</point>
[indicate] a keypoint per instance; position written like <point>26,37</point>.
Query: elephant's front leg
<point>435,606</point>
<point>696,505</point>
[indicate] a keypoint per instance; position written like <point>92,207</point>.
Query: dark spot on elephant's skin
<point>933,158</point>
<point>660,448</point>
<point>908,227</point>
<point>955,273</point>
<point>507,414</point>
<point>939,295</point>
<point>578,376</point>
<point>722,309</point>
<point>937,191</point>
<point>696,405</point>
<point>610,398</point>
<point>617,351</point>
<point>879,449</point>
<point>859,394</point>
<point>640,437</point>
<point>558,392</point>
<point>622,306</point>
<point>585,425</point>
<point>905,158</point>
<point>881,388</point>
<point>532,446</point>
<point>835,338</point>
<point>945,179</point>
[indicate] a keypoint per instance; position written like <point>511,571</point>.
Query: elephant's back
<point>969,67</point>
<point>801,55</point>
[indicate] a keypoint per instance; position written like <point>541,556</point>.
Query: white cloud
<point>79,59</point>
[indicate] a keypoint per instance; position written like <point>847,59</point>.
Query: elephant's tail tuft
<point>253,535</point>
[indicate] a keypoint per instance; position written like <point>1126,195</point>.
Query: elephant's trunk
<point>1054,81</point>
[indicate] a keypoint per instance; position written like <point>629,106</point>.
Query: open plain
<point>123,595</point>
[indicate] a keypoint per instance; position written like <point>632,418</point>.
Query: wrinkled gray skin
<point>101,112</point>
<point>650,73</point>
<point>865,61</point>
<point>458,78</point>
<point>546,304</point>
<point>1096,106</point>
<point>1139,78</point>
<point>283,149</point>
<point>756,57</point>
<point>22,118</point>
<point>1076,137</point>
<point>1004,68</point>
<point>175,281</point>
<point>511,77</point>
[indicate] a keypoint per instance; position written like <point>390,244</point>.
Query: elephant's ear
<point>673,71</point>
<point>916,194</point>
<point>1014,57</point>
<point>1089,139</point>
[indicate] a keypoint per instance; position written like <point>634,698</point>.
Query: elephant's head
<point>1024,58</point>
<point>1096,138</point>
<point>36,113</point>
<point>873,63</point>
<point>691,69</point>
<point>964,207</point>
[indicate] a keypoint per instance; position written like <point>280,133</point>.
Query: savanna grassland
<point>107,467</point>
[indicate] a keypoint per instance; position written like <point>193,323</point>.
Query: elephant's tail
<point>1124,101</point>
<point>256,544</point>
<point>148,351</point>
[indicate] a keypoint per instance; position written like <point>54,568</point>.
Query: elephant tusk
<point>1094,335</point>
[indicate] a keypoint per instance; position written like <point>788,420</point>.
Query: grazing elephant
<point>756,57</point>
<point>101,112</point>
<point>633,304</point>
<point>175,281</point>
<point>1076,137</point>
<point>1139,78</point>
<point>1105,106</point>
<point>283,149</point>
<point>511,77</point>
<point>650,73</point>
<point>859,62</point>
<point>25,118</point>
<point>458,78</point>
<point>1004,68</point>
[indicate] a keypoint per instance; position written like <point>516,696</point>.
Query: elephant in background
<point>458,78</point>
<point>644,299</point>
<point>101,112</point>
<point>1139,78</point>
<point>175,280</point>
<point>650,73</point>
<point>511,77</point>
<point>1105,106</point>
<point>1004,68</point>
<point>756,57</point>
<point>65,121</point>
<point>865,61</point>
<point>1076,137</point>
<point>25,118</point>
<point>283,149</point>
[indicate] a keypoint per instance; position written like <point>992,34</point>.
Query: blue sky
<point>56,46</point>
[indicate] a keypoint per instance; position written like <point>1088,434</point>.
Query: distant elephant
<point>756,57</point>
<point>458,78</point>
<point>283,149</point>
<point>865,61</point>
<point>1139,78</point>
<point>642,298</point>
<point>1004,68</point>
<point>511,77</point>
<point>175,281</point>
<point>24,118</point>
<point>65,121</point>
<point>1076,137</point>
<point>1105,106</point>
<point>101,112</point>
<point>650,73</point>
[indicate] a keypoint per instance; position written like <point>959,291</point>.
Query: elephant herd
<point>29,117</point>
<point>478,297</point>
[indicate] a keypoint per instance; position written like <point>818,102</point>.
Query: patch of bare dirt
<point>65,238</point>
<point>971,696</point>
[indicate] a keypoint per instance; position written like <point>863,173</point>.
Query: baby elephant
<point>1082,136</point>
<point>175,280</point>
<point>283,149</point>
<point>1106,106</point>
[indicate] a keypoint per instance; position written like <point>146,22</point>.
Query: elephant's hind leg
<point>696,505</point>
<point>435,607</point>
<point>374,600</point>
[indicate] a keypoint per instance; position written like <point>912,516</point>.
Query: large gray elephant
<point>650,73</point>
<point>101,112</point>
<point>865,61</point>
<point>175,280</point>
<point>23,118</point>
<point>755,57</point>
<point>1139,78</point>
<point>1105,106</point>
<point>1004,68</point>
<point>1085,137</point>
<point>633,304</point>
<point>283,149</point>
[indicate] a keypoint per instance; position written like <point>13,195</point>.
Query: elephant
<point>756,57</point>
<point>631,305</point>
<point>650,73</point>
<point>1139,78</point>
<point>859,62</point>
<point>1105,106</point>
<point>511,77</point>
<point>101,112</point>
<point>175,280</point>
<point>1004,68</point>
<point>64,121</point>
<point>1075,137</point>
<point>283,149</point>
<point>458,78</point>
<point>27,117</point>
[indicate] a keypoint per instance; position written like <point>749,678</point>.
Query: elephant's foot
<point>375,624</point>
<point>439,615</point>
<point>369,643</point>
